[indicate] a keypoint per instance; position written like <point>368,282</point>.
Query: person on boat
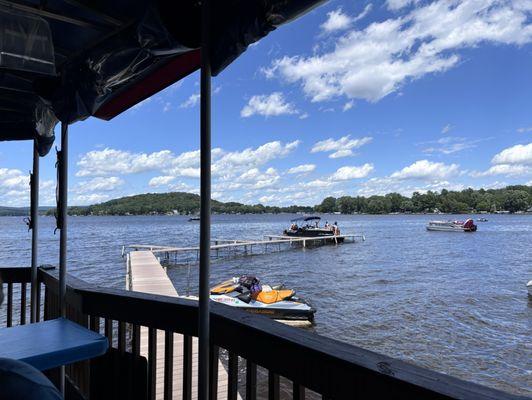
<point>327,226</point>
<point>335,228</point>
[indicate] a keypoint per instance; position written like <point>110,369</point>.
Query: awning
<point>110,55</point>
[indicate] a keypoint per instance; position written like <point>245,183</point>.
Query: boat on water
<point>310,227</point>
<point>452,226</point>
<point>276,302</point>
<point>529,288</point>
<point>194,219</point>
<point>482,219</point>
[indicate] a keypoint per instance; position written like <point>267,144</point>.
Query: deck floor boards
<point>148,276</point>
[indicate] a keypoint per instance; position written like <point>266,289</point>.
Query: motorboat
<point>277,302</point>
<point>452,226</point>
<point>482,219</point>
<point>529,288</point>
<point>194,219</point>
<point>310,227</point>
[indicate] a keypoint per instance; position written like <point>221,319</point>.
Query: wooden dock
<point>145,274</point>
<point>242,247</point>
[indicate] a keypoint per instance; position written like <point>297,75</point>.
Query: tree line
<point>512,199</point>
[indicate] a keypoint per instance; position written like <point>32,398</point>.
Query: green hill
<point>517,198</point>
<point>173,203</point>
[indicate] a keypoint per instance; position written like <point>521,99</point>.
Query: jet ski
<point>276,302</point>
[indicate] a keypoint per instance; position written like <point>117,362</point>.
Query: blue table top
<point>52,343</point>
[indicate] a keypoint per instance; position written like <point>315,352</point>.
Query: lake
<point>453,302</point>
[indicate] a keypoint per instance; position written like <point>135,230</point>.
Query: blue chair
<point>19,380</point>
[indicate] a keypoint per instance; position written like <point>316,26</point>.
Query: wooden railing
<point>312,363</point>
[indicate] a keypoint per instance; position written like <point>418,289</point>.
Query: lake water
<point>453,302</point>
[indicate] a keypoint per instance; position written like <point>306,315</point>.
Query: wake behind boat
<point>309,227</point>
<point>452,226</point>
<point>276,302</point>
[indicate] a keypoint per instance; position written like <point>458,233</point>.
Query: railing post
<point>34,217</point>
<point>205,205</point>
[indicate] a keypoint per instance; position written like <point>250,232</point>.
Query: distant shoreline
<point>511,199</point>
<point>280,213</point>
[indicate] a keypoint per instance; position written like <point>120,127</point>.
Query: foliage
<point>174,203</point>
<point>512,199</point>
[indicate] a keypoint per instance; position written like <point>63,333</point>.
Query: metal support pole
<point>205,206</point>
<point>62,216</point>
<point>34,216</point>
<point>62,221</point>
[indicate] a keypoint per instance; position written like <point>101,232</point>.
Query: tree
<point>515,200</point>
<point>328,205</point>
<point>346,205</point>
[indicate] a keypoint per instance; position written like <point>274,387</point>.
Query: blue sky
<point>354,98</point>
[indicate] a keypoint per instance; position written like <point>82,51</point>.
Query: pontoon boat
<point>452,226</point>
<point>309,227</point>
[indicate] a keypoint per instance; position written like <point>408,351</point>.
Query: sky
<point>354,98</point>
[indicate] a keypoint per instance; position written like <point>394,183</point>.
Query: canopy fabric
<point>110,55</point>
<point>310,218</point>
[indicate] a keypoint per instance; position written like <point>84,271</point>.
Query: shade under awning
<point>110,55</point>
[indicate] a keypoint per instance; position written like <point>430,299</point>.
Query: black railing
<point>312,363</point>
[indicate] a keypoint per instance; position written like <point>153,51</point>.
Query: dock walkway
<point>232,247</point>
<point>145,274</point>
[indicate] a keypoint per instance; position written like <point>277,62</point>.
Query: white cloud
<point>87,199</point>
<point>232,163</point>
<point>255,179</point>
<point>336,21</point>
<point>13,179</point>
<point>512,161</point>
<point>446,128</point>
<point>192,101</point>
<point>99,184</point>
<point>373,62</point>
<point>160,180</point>
<point>505,169</point>
<point>451,144</point>
<point>226,166</point>
<point>110,161</point>
<point>268,105</point>
<point>426,170</point>
<point>524,129</point>
<point>518,154</point>
<point>396,5</point>
<point>302,169</point>
<point>384,185</point>
<point>318,183</point>
<point>342,147</point>
<point>348,105</point>
<point>364,12</point>
<point>341,153</point>
<point>348,173</point>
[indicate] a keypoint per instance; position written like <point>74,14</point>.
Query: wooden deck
<point>145,274</point>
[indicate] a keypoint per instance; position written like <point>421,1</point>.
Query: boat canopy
<point>310,218</point>
<point>67,60</point>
